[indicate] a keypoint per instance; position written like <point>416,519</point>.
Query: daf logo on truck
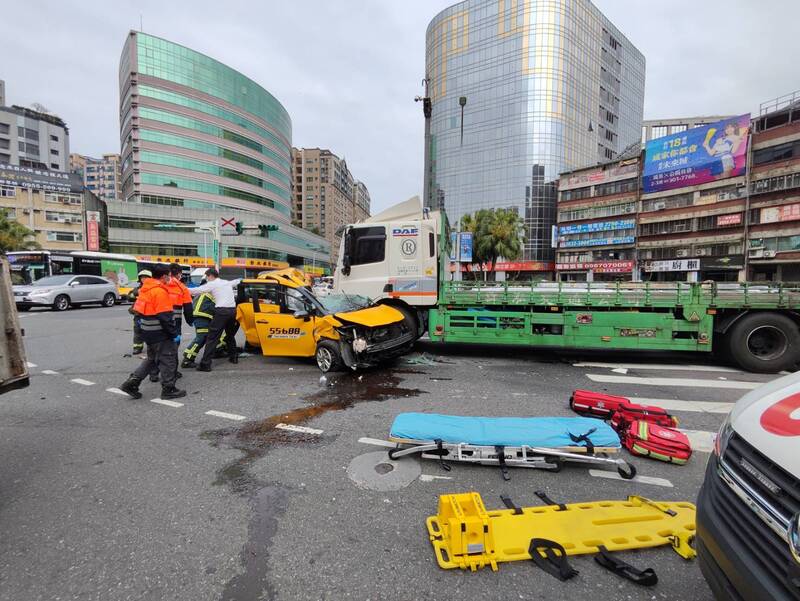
<point>405,231</point>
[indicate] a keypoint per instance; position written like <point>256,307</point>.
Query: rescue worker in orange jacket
<point>181,303</point>
<point>155,308</point>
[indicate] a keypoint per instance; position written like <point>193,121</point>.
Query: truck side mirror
<point>348,242</point>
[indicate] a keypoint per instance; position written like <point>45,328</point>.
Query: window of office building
<point>668,202</point>
<point>7,191</point>
<point>64,236</point>
<point>665,227</point>
<point>615,188</point>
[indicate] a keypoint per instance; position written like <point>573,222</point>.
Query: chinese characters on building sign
<point>39,179</point>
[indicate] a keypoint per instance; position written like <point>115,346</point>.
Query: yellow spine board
<point>465,535</point>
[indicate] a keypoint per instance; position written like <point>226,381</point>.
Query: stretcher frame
<point>552,459</point>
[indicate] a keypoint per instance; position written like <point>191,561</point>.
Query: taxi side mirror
<point>301,314</point>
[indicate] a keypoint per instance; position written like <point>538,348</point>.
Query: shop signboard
<point>673,265</point>
<point>597,226</point>
<point>509,266</point>
<point>465,247</point>
<point>727,262</point>
<point>733,219</point>
<point>598,266</point>
<point>596,242</point>
<point>783,213</point>
<point>93,230</point>
<point>590,177</point>
<point>696,156</point>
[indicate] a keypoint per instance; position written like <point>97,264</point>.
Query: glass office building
<point>201,142</point>
<point>522,90</point>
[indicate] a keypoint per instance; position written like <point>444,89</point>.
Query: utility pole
<point>427,111</point>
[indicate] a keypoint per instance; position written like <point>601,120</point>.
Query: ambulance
<point>748,509</point>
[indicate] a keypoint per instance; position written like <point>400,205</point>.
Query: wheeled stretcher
<point>535,442</point>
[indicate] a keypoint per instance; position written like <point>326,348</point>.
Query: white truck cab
<point>392,258</point>
<point>748,509</point>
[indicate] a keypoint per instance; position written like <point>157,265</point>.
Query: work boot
<point>188,364</point>
<point>178,375</point>
<point>131,387</point>
<point>234,358</point>
<point>137,350</point>
<point>170,392</point>
<point>202,367</point>
<point>154,378</point>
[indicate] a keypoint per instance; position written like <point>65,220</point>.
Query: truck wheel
<point>61,303</point>
<point>328,356</point>
<point>764,342</point>
<point>411,320</point>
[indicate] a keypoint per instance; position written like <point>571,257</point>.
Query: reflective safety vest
<point>180,296</point>
<point>204,306</point>
<point>154,306</point>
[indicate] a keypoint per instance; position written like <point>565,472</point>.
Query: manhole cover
<point>375,471</point>
<point>384,468</point>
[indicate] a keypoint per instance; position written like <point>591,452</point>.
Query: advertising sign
<point>624,170</point>
<point>93,230</point>
<point>119,272</point>
<point>598,266</point>
<point>39,179</point>
<point>673,265</point>
<point>454,246</point>
<point>465,247</point>
<point>729,262</point>
<point>598,226</point>
<point>734,219</point>
<point>783,213</point>
<point>596,242</point>
<point>696,156</point>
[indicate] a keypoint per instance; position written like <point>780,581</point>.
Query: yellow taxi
<point>280,315</point>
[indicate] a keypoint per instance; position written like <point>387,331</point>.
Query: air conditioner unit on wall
<point>702,252</point>
<point>768,254</point>
<point>657,206</point>
<point>755,253</point>
<point>682,253</point>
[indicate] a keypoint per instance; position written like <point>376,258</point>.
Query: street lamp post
<point>212,228</point>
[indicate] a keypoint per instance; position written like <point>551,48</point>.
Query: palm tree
<point>506,235</point>
<point>14,235</point>
<point>478,225</point>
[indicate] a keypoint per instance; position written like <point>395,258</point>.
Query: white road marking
<point>620,370</point>
<point>658,366</point>
<point>677,405</point>
<point>377,442</point>
<point>687,382</point>
<point>166,402</point>
<point>222,414</point>
<point>702,442</point>
<point>643,479</point>
<point>116,391</point>
<point>430,478</point>
<point>82,382</point>
<point>301,429</point>
<point>49,372</point>
<point>30,364</point>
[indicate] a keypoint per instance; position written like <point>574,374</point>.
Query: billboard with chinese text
<point>696,156</point>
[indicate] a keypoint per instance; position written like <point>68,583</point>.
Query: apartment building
<point>773,234</point>
<point>49,203</point>
<point>102,176</point>
<point>596,221</point>
<point>326,196</point>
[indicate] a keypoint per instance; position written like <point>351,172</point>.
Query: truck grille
<point>765,547</point>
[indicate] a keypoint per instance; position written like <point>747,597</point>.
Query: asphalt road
<point>104,497</point>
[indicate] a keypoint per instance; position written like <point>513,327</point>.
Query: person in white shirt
<point>224,319</point>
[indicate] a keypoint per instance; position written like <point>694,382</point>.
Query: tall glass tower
<point>520,91</point>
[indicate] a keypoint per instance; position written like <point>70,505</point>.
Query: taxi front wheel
<point>328,356</point>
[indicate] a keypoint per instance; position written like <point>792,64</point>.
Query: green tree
<point>496,233</point>
<point>14,235</point>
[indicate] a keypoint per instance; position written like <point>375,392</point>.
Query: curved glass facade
<point>201,142</point>
<point>522,90</point>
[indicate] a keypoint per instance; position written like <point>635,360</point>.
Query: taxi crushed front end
<point>369,336</point>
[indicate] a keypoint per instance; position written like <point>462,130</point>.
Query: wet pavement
<point>290,496</point>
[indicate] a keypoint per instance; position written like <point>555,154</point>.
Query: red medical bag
<point>630,412</point>
<point>595,404</point>
<point>651,440</point>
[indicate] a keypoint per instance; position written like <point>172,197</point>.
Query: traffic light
<point>263,230</point>
<point>239,228</point>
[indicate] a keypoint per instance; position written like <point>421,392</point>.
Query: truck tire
<point>328,356</point>
<point>412,321</point>
<point>764,342</point>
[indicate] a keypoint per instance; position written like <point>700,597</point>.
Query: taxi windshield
<point>338,303</point>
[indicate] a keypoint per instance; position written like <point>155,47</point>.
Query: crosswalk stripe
<point>30,364</point>
<point>233,416</point>
<point>166,402</point>
<point>116,391</point>
<point>82,382</point>
<point>301,429</point>
<point>702,442</point>
<point>643,479</point>
<point>678,405</point>
<point>49,372</point>
<point>659,366</point>
<point>377,442</point>
<point>687,382</point>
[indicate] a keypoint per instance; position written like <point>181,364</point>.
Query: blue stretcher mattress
<point>551,432</point>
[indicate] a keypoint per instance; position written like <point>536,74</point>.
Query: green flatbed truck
<point>401,257</point>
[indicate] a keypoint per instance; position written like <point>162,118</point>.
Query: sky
<point>348,70</point>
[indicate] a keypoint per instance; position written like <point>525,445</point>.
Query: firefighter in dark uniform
<point>181,302</point>
<point>203,314</point>
<point>154,307</point>
<point>138,343</point>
